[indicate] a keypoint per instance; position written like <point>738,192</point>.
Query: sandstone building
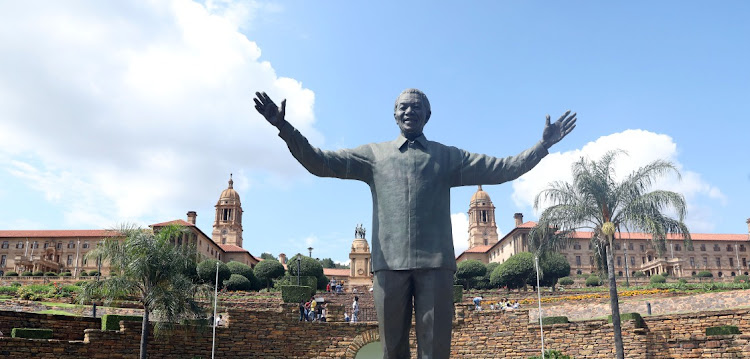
<point>721,254</point>
<point>64,250</point>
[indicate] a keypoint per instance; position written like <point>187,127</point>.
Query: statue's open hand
<point>555,132</point>
<point>269,110</point>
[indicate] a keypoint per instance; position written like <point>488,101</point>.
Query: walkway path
<point>689,303</point>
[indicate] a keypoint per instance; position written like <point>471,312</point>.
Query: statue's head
<point>412,111</point>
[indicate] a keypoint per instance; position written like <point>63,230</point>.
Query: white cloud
<point>460,228</point>
<point>119,109</point>
<point>642,147</point>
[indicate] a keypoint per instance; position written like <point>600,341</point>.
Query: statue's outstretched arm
<point>266,107</point>
<point>555,132</point>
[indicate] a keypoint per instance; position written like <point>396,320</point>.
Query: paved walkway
<point>682,304</point>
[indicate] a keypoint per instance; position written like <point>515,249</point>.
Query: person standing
<point>355,309</point>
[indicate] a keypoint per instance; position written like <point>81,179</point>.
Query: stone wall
<point>63,327</point>
<point>484,334</point>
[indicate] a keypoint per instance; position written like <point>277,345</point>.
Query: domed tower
<point>359,260</point>
<point>228,220</point>
<point>482,226</point>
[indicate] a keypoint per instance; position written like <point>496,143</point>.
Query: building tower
<point>482,226</point>
<point>359,260</point>
<point>228,220</point>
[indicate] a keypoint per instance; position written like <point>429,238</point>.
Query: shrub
<point>553,266</point>
<point>657,279</point>
<point>11,274</point>
<point>722,330</point>
<point>50,274</point>
<point>83,274</point>
<point>552,354</point>
<point>554,320</point>
<point>37,274</point>
<point>239,268</point>
<point>9,290</point>
<point>207,271</point>
<point>94,273</point>
<point>112,321</point>
<point>16,284</point>
<point>565,281</point>
<point>26,274</point>
<point>639,274</point>
<point>593,281</point>
<point>322,282</point>
<point>237,282</point>
<point>468,270</point>
<point>458,293</point>
<point>682,281</point>
<point>295,293</point>
<point>31,333</point>
<point>268,270</point>
<point>704,274</point>
<point>741,279</point>
<point>66,274</point>
<point>514,272</point>
<point>629,316</point>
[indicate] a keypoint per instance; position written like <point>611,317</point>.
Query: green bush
<point>65,274</point>
<point>50,274</point>
<point>593,281</point>
<point>514,272</point>
<point>657,279</point>
<point>237,282</point>
<point>239,268</point>
<point>83,274</point>
<point>37,273</point>
<point>9,290</point>
<point>552,354</point>
<point>467,271</point>
<point>553,266</point>
<point>704,274</point>
<point>639,323</point>
<point>31,333</point>
<point>26,274</point>
<point>207,271</point>
<point>565,281</point>
<point>639,274</point>
<point>322,282</point>
<point>554,320</point>
<point>16,284</point>
<point>722,330</point>
<point>295,293</point>
<point>11,274</point>
<point>268,270</point>
<point>112,321</point>
<point>458,293</point>
<point>682,281</point>
<point>741,279</point>
<point>308,267</point>
<point>94,273</point>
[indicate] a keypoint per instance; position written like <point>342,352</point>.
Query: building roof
<point>336,272</point>
<point>179,222</point>
<point>58,233</point>
<point>529,224</point>
<point>479,249</point>
<point>480,194</point>
<point>231,248</point>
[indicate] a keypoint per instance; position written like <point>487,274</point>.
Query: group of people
<point>503,304</point>
<point>335,286</point>
<point>312,311</point>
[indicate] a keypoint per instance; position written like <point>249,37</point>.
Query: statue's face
<point>411,114</point>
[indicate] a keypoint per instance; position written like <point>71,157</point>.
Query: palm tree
<point>152,269</point>
<point>596,201</point>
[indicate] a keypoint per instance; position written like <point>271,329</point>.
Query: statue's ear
<point>427,119</point>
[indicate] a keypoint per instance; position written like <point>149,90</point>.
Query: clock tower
<point>228,220</point>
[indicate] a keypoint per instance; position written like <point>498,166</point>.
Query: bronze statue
<point>412,247</point>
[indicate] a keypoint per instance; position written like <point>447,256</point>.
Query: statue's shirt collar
<point>401,141</point>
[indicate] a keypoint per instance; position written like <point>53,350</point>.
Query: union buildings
<point>721,254</point>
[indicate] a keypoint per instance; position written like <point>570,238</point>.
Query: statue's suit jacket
<point>410,183</point>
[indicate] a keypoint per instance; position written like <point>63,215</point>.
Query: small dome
<point>360,245</point>
<point>480,196</point>
<point>229,194</point>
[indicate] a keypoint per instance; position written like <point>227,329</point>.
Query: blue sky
<point>138,111</point>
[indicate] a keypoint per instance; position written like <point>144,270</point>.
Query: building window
<point>59,245</point>
<point>591,260</point>
<point>692,262</point>
<point>71,244</point>
<point>716,248</point>
<point>36,245</point>
<point>2,261</point>
<point>85,245</point>
<point>703,247</point>
<point>705,262</point>
<point>5,244</point>
<point>577,246</point>
<point>591,246</point>
<point>643,248</point>
<point>617,246</point>
<point>643,259</point>
<point>632,260</point>
<point>19,245</point>
<point>70,259</point>
<point>742,248</point>
<point>677,247</point>
<point>85,261</point>
<point>718,262</point>
<point>731,262</point>
<point>578,260</point>
<point>46,245</point>
<point>619,261</point>
<point>744,262</point>
<point>729,247</point>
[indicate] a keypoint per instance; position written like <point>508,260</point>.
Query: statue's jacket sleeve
<point>410,182</point>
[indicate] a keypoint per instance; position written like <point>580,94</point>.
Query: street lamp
<point>299,264</point>
<point>310,250</point>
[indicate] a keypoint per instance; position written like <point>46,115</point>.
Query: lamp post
<point>216,300</point>
<point>299,264</point>
<point>309,249</point>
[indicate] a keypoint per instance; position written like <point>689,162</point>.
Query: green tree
<point>327,263</point>
<point>150,268</point>
<point>514,272</point>
<point>266,255</point>
<point>308,266</point>
<point>245,271</point>
<point>601,203</point>
<point>484,281</point>
<point>238,282</point>
<point>207,271</point>
<point>553,266</point>
<point>468,271</point>
<point>268,270</point>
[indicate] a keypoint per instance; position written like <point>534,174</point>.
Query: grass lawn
<point>57,312</point>
<point>61,305</point>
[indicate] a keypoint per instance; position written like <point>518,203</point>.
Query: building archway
<point>360,341</point>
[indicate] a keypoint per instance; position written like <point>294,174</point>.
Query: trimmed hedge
<point>237,282</point>
<point>83,274</point>
<point>37,274</point>
<point>65,274</point>
<point>741,279</point>
<point>26,274</point>
<point>639,323</point>
<point>9,290</point>
<point>295,293</point>
<point>554,320</point>
<point>657,279</point>
<point>11,274</point>
<point>50,274</point>
<point>31,333</point>
<point>458,293</point>
<point>704,274</point>
<point>593,281</point>
<point>565,281</point>
<point>722,330</point>
<point>112,321</point>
